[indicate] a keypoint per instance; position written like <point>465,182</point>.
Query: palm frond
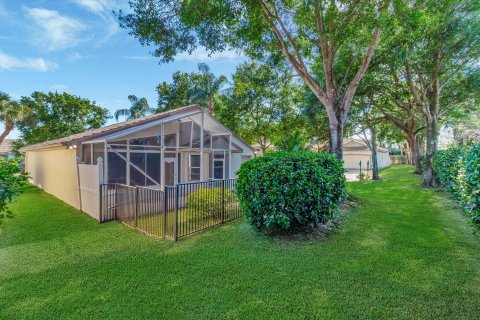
<point>122,113</point>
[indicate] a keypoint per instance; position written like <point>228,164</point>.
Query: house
<point>6,148</point>
<point>356,151</point>
<point>165,149</point>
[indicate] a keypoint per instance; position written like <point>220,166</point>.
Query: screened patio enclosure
<point>188,147</point>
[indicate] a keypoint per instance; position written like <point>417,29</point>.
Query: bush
<point>285,190</point>
<point>211,199</point>
<point>11,182</point>
<point>458,170</point>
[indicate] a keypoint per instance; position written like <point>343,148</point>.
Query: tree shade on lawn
<point>406,253</point>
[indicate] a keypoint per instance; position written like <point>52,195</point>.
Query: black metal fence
<point>174,212</point>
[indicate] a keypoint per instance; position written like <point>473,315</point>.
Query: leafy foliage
<point>201,87</point>
<point>285,190</point>
<point>291,141</point>
<point>458,170</point>
<point>210,198</point>
<point>261,104</point>
<point>11,112</point>
<point>54,115</point>
<point>11,182</point>
<point>139,108</point>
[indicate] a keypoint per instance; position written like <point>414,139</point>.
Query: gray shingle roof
<point>108,129</point>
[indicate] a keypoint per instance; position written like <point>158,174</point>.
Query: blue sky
<point>77,46</point>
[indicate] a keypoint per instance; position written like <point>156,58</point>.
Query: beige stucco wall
<point>55,171</point>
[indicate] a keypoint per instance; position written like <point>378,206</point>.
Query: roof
<point>117,127</point>
<point>360,146</point>
<point>6,146</point>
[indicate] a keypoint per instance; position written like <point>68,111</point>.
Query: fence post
<point>177,198</point>
<point>223,201</point>
<point>100,193</point>
<point>136,207</point>
<point>165,209</point>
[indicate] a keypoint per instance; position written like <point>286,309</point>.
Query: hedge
<point>290,189</point>
<point>458,171</point>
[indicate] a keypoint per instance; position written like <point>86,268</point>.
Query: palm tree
<point>208,87</point>
<point>11,112</point>
<point>139,108</point>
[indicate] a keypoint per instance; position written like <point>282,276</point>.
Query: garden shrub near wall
<point>210,201</point>
<point>11,183</point>
<point>285,190</point>
<point>458,170</point>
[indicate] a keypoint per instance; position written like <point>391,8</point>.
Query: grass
<point>406,253</point>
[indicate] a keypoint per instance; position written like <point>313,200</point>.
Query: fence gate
<point>89,193</point>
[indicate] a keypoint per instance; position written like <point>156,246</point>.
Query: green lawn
<point>407,253</point>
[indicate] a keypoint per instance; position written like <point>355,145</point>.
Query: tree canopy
<point>53,115</point>
<point>328,44</point>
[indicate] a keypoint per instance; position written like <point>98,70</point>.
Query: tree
<point>394,101</point>
<point>11,182</point>
<point>139,108</point>
<point>327,43</point>
<point>176,94</point>
<point>54,115</point>
<point>260,104</point>
<point>207,87</point>
<point>440,52</point>
<point>291,141</point>
<point>11,112</point>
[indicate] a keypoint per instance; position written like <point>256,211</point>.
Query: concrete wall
<point>55,171</point>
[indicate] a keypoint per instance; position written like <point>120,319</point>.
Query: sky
<point>77,46</point>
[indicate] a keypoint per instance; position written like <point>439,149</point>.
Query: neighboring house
<point>165,149</point>
<point>259,151</point>
<point>6,149</point>
<point>356,151</point>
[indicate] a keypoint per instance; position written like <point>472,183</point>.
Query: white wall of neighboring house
<point>356,151</point>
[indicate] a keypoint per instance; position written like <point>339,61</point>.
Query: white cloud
<point>8,62</point>
<point>55,31</point>
<point>201,55</point>
<point>78,56</point>
<point>103,9</point>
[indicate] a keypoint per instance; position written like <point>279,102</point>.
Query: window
<point>218,169</point>
<point>218,165</point>
<point>194,167</point>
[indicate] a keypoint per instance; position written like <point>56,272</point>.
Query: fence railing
<point>173,213</point>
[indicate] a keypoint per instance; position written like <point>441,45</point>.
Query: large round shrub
<point>285,190</point>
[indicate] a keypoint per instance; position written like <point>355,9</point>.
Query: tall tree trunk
<point>418,154</point>
<point>411,147</point>
<point>336,140</point>
<point>429,178</point>
<point>373,133</point>
<point>6,132</point>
